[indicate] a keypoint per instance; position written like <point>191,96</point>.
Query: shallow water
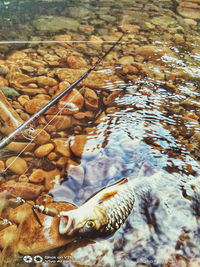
<point>150,134</point>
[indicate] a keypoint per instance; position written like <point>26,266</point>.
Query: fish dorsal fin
<point>120,182</point>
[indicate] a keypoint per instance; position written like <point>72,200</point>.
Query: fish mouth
<point>66,225</point>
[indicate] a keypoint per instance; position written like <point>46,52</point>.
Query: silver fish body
<point>102,214</point>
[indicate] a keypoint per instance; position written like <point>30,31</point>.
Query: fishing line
<point>34,137</point>
<point>21,128</point>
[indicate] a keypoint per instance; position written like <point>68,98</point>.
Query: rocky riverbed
<point>137,115</point>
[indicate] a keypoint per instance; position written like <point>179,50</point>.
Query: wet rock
<point>26,191</point>
<point>62,146</point>
<point>126,60</point>
<point>91,99</point>
<point>77,144</point>
<point>2,166</point>
<point>55,23</point>
<point>82,115</point>
<point>88,29</point>
<point>42,137</point>
<point>189,9</point>
<point>9,117</point>
<point>163,21</point>
<point>43,150</point>
<point>20,146</point>
<point>61,122</point>
<point>75,98</point>
<point>34,105</point>
<point>3,82</point>
<point>19,80</point>
<point>50,178</point>
<point>111,99</point>
<point>76,62</point>
<point>94,80</point>
<point>95,40</point>
<point>23,99</point>
<point>37,176</point>
<point>16,165</point>
<point>8,236</point>
<point>152,52</point>
<point>46,81</point>
<point>130,28</point>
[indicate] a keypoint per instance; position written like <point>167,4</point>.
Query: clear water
<point>151,136</point>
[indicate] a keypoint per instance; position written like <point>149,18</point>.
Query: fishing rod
<point>8,139</point>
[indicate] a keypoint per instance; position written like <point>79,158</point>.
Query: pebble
<point>91,99</point>
<point>23,99</point>
<point>55,23</point>
<point>75,98</point>
<point>130,28</point>
<point>61,122</point>
<point>152,52</point>
<point>77,144</point>
<point>2,166</point>
<point>3,81</point>
<point>76,62</point>
<point>20,146</point>
<point>16,165</point>
<point>43,150</point>
<point>46,81</point>
<point>24,190</point>
<point>62,147</point>
<point>37,176</point>
<point>50,178</point>
<point>42,137</point>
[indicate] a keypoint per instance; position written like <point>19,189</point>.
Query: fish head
<point>84,221</point>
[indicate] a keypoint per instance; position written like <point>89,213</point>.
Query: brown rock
<point>95,40</point>
<point>130,28</point>
<point>77,144</point>
<point>152,52</point>
<point>75,98</point>
<point>86,28</point>
<point>189,9</point>
<point>2,166</point>
<point>9,117</point>
<point>91,99</point>
<point>20,146</point>
<point>50,179</point>
<point>126,60</point>
<point>82,115</point>
<point>96,80</point>
<point>61,122</point>
<point>43,150</point>
<point>46,81</point>
<point>17,55</point>
<point>42,137</point>
<point>16,165</point>
<point>34,105</point>
<point>76,62</point>
<point>62,147</point>
<point>110,100</point>
<point>19,80</point>
<point>37,176</point>
<point>24,190</point>
<point>3,81</point>
<point>22,99</point>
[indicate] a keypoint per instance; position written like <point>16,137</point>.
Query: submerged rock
<point>55,23</point>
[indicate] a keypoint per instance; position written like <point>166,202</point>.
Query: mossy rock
<point>9,92</point>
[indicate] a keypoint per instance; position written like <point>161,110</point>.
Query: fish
<point>100,215</point>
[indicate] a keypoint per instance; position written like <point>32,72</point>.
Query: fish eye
<point>90,224</point>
